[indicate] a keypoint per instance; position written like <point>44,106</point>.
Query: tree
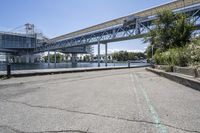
<point>86,58</point>
<point>125,56</point>
<point>149,51</point>
<point>59,58</point>
<point>109,57</point>
<point>182,31</point>
<point>171,31</point>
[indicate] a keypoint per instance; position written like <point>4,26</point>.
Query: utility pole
<point>152,47</point>
<point>106,54</point>
<point>55,58</point>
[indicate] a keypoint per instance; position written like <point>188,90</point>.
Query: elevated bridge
<point>129,27</point>
<point>132,26</point>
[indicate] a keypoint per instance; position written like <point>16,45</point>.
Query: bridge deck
<point>145,13</point>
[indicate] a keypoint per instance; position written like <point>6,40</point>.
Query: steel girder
<point>117,33</point>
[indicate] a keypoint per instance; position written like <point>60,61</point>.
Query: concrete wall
<point>185,70</point>
<point>182,70</point>
<point>190,82</point>
<point>161,67</point>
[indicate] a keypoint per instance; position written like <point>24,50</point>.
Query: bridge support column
<point>22,59</point>
<point>99,61</point>
<point>74,58</point>
<point>55,60</point>
<point>15,59</point>
<point>106,54</point>
<point>27,58</point>
<point>7,58</point>
<point>19,59</point>
<point>48,58</point>
<point>32,59</point>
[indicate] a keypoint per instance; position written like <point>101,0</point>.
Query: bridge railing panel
<point>14,41</point>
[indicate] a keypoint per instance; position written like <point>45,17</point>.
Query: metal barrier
<point>8,70</point>
<point>5,70</point>
<point>129,64</point>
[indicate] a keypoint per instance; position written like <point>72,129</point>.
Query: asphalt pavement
<point>112,101</point>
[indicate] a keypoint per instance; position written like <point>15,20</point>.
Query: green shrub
<point>169,69</point>
<point>193,52</point>
<point>172,57</point>
<point>166,57</point>
<point>183,56</point>
<point>179,56</point>
<point>158,57</point>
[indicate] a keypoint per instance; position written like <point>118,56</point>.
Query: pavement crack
<point>62,131</point>
<point>64,79</point>
<point>56,131</point>
<point>182,129</point>
<point>95,114</point>
<point>87,78</point>
<point>13,129</point>
<point>5,86</point>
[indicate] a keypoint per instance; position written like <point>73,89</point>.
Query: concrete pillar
<point>99,54</point>
<point>48,58</point>
<point>19,59</point>
<point>15,59</point>
<point>27,58</point>
<point>32,58</point>
<point>22,59</point>
<point>73,59</point>
<point>7,58</point>
<point>55,60</point>
<point>106,54</point>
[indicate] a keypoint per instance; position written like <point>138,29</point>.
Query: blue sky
<point>57,17</point>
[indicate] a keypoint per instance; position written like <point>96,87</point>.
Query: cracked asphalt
<point>114,101</point>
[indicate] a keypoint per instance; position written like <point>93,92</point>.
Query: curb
<point>57,71</point>
<point>192,83</point>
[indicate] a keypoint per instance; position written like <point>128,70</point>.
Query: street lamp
<point>152,47</point>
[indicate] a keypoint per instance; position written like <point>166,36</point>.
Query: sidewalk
<point>21,73</point>
<point>179,78</point>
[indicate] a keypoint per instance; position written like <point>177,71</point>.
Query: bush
<point>158,57</point>
<point>172,57</point>
<point>193,52</point>
<point>167,58</point>
<point>169,69</point>
<point>179,57</point>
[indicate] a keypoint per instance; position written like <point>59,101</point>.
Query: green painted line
<point>154,115</point>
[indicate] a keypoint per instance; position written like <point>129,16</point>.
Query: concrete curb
<point>190,82</point>
<point>27,73</point>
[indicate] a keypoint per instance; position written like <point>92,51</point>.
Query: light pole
<point>152,47</point>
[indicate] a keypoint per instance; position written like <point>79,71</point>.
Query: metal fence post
<point>8,70</point>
